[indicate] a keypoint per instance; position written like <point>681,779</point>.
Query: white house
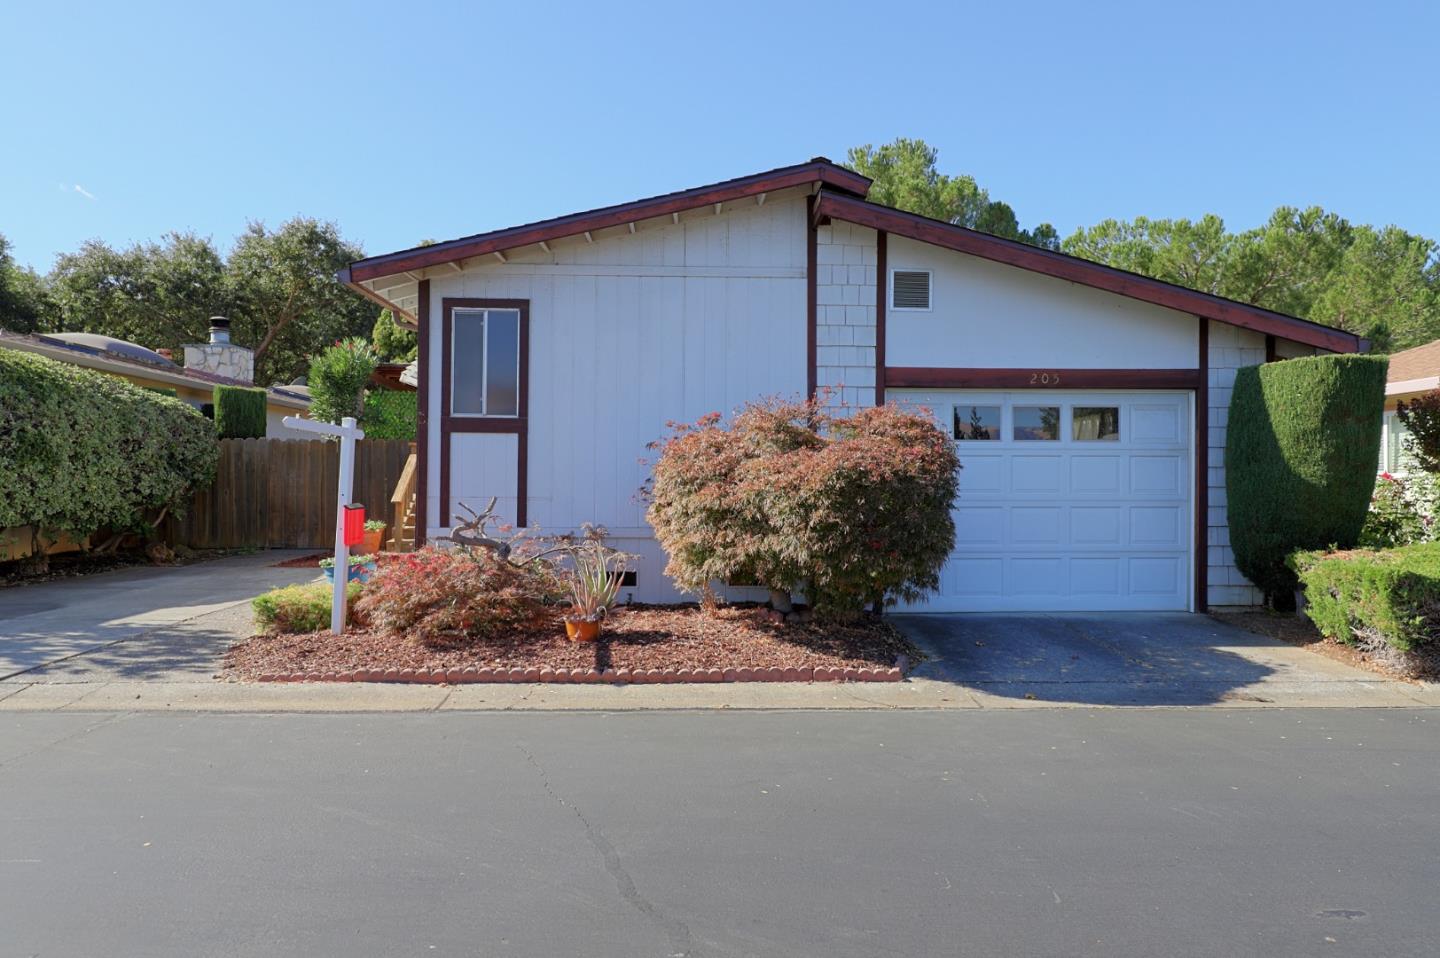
<point>1089,404</point>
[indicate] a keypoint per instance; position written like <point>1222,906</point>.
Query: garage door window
<point>1096,422</point>
<point>977,422</point>
<point>1037,422</point>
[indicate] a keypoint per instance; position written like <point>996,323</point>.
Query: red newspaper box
<point>354,525</point>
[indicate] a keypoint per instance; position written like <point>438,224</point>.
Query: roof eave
<point>1084,272</point>
<point>818,171</point>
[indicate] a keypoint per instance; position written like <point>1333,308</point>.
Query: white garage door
<point>1069,501</point>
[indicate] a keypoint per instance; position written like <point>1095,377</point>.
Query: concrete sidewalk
<point>152,639</point>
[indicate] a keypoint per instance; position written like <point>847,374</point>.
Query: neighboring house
<point>217,362</point>
<point>551,353</point>
<point>1413,372</point>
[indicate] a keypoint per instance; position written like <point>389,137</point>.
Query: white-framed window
<point>910,290</point>
<point>1392,448</point>
<point>485,362</point>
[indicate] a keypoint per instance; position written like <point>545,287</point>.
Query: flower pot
<point>582,630</point>
<point>371,544</point>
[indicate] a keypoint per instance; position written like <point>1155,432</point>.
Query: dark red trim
<point>1270,353</point>
<point>1076,270</point>
<point>519,426</point>
<point>811,256</point>
<point>1202,472</point>
<point>924,377</point>
<point>422,415</point>
<point>881,283</point>
<point>818,170</point>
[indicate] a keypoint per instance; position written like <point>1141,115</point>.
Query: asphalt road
<point>1080,832</point>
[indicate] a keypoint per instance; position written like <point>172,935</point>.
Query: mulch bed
<point>311,561</point>
<point>1296,629</point>
<point>671,643</point>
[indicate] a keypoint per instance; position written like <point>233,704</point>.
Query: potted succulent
<point>594,583</point>
<point>360,568</point>
<point>374,535</point>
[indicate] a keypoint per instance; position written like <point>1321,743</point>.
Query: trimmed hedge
<point>240,412</point>
<point>390,414</point>
<point>1302,444</point>
<point>82,450</point>
<point>1393,594</point>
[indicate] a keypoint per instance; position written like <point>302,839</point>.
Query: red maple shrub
<point>848,509</point>
<point>432,593</point>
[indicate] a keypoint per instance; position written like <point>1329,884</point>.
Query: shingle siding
<point>845,281</point>
<point>1230,348</point>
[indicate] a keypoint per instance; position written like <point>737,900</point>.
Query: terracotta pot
<point>582,630</point>
<point>372,542</point>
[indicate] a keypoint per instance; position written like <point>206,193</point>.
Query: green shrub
<point>1402,512</point>
<point>848,510</point>
<point>299,608</point>
<point>338,376</point>
<point>164,391</point>
<point>80,450</point>
<point>1391,594</point>
<point>390,414</point>
<point>1302,443</point>
<point>240,412</point>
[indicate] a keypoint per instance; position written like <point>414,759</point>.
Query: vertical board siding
<point>280,493</point>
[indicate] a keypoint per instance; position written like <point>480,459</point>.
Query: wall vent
<point>910,289</point>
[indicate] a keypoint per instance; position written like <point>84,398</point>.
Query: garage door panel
<point>1096,475</point>
<point>1157,526</point>
<point>983,474</point>
<point>1036,474</point>
<point>1156,424</point>
<point>1031,525</point>
<point>1097,525</point>
<point>979,526</point>
<point>1156,475</point>
<point>1155,575</point>
<point>1096,518</point>
<point>1097,576</point>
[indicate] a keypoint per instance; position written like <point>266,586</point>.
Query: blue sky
<point>409,120</point>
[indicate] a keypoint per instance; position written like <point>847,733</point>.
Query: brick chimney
<point>220,356</point>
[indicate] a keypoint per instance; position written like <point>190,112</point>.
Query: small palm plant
<point>594,583</point>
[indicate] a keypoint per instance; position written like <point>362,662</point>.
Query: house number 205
<point>1044,379</point>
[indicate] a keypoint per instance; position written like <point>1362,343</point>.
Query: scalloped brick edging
<point>472,674</point>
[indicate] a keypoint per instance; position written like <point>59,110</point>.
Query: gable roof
<point>818,170</point>
<point>851,209</point>
<point>1416,363</point>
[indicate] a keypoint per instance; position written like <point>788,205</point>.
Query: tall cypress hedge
<point>239,412</point>
<point>1301,451</point>
<point>81,451</point>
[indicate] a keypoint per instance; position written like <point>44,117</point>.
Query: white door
<point>1069,501</point>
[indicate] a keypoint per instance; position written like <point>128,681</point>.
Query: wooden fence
<point>280,493</point>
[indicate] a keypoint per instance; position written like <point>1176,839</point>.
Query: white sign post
<point>348,433</point>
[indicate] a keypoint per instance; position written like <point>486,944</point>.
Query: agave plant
<point>595,579</point>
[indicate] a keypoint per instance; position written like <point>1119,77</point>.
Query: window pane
<point>977,422</point>
<point>502,370</point>
<point>1037,422</point>
<point>467,352</point>
<point>1096,422</point>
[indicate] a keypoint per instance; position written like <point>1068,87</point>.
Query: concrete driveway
<point>1134,658</point>
<point>136,623</point>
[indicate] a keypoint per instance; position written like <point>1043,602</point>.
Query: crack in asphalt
<point>677,931</point>
<point>78,733</point>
